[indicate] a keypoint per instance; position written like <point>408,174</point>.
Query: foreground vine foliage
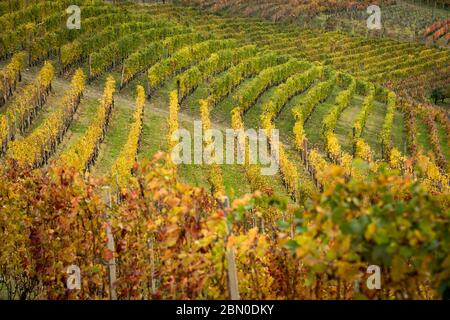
<point>171,239</point>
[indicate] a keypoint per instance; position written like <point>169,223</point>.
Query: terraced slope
<point>341,39</point>
<point>321,90</point>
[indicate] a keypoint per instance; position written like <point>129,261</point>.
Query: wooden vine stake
<point>179,91</point>
<point>110,246</point>
<point>121,78</point>
<point>233,285</point>
<point>147,85</point>
<point>60,61</point>
<point>152,265</point>
<point>90,66</point>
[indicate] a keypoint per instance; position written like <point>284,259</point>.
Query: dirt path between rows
<point>123,99</point>
<point>93,92</point>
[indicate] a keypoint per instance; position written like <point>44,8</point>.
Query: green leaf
<point>331,255</point>
<point>337,215</point>
<point>292,245</point>
<point>300,229</point>
<point>405,252</point>
<point>283,225</point>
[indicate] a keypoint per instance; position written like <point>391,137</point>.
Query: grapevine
<point>123,166</point>
<point>83,154</point>
<point>36,149</point>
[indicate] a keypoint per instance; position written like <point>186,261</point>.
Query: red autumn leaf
<point>107,255</point>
